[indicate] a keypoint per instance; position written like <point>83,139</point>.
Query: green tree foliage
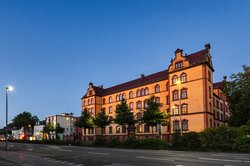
<point>85,121</point>
<point>59,130</point>
<point>124,116</point>
<point>153,115</point>
<point>238,94</point>
<point>102,120</point>
<point>48,129</point>
<point>25,120</point>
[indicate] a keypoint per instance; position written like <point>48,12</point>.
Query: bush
<point>114,142</point>
<point>100,141</point>
<point>242,144</point>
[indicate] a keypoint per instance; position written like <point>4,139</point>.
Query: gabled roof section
<point>197,57</point>
<point>144,80</point>
<point>218,85</point>
<point>98,90</point>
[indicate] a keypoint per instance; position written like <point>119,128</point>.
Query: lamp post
<point>179,87</point>
<point>8,89</point>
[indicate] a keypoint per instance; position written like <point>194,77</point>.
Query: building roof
<point>218,85</point>
<point>197,57</point>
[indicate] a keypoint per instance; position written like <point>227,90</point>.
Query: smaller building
<point>38,130</point>
<point>65,121</point>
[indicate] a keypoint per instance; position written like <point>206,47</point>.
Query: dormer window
<point>90,92</point>
<point>178,65</point>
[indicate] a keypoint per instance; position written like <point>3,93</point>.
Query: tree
<point>153,116</point>
<point>25,120</point>
<point>85,121</point>
<point>102,120</point>
<point>124,116</point>
<point>48,129</point>
<point>238,95</point>
<point>58,130</point>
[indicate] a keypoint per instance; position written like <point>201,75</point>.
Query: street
<point>50,155</point>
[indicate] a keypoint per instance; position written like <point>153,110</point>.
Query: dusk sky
<point>51,49</point>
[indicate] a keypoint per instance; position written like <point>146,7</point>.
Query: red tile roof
<point>197,57</point>
<point>218,85</point>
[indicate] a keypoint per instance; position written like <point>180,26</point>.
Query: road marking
<point>70,163</point>
<point>213,159</point>
<point>238,161</point>
<point>65,150</point>
<point>30,149</point>
<point>152,158</point>
<point>106,154</point>
<point>242,158</point>
<point>225,155</point>
<point>121,150</point>
<point>79,165</point>
<point>247,161</point>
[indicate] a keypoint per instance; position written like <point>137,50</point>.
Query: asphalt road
<point>52,155</point>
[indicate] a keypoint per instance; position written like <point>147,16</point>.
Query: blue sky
<point>51,49</point>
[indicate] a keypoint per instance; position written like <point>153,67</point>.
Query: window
<point>167,86</point>
<point>89,102</point>
<point>123,96</point>
<point>103,130</point>
<point>138,93</point>
<point>185,125</point>
<point>110,110</point>
<point>175,125</point>
<point>146,91</point>
<point>167,99</point>
<point>183,77</point>
<point>110,130</point>
<point>103,101</point>
<point>130,94</point>
<point>184,108</point>
<point>157,100</point>
<point>123,129</point>
<point>209,76</point>
<point>175,95</point>
<point>146,129</point>
<point>139,104</point>
<point>84,103</point>
<point>174,80</point>
<point>92,111</point>
<point>139,116</point>
<point>139,128</point>
<point>120,97</point>
<point>131,106</point>
<point>157,88</point>
<point>178,65</point>
<point>118,129</point>
<point>210,107</point>
<point>91,131</point>
<point>210,95</point>
<point>92,101</point>
<point>110,99</point>
<point>142,92</point>
<point>145,103</point>
<point>184,93</point>
<point>117,97</point>
<point>176,109</point>
<point>90,92</point>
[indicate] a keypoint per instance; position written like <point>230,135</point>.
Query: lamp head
<point>9,88</point>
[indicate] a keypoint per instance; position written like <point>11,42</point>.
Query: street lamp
<point>179,86</point>
<point>8,89</point>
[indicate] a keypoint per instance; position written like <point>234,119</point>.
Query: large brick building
<point>187,85</point>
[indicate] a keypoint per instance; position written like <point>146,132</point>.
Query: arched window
<point>103,101</point>
<point>92,111</point>
<point>176,125</point>
<point>157,88</point>
<point>167,86</point>
<point>131,106</point>
<point>84,103</point>
<point>89,102</point>
<point>139,128</point>
<point>184,125</point>
<point>183,93</point>
<point>110,99</point>
<point>138,93</point>
<point>118,129</point>
<point>184,108</point>
<point>92,101</point>
<point>176,110</point>
<point>157,99</point>
<point>130,94</point>
<point>145,103</point>
<point>110,110</point>
<point>146,91</point>
<point>123,96</point>
<point>117,97</point>
<point>110,129</point>
<point>120,97</point>
<point>183,77</point>
<point>139,116</point>
<point>142,92</point>
<point>139,104</point>
<point>174,79</point>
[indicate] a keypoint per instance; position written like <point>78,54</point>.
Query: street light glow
<point>178,82</point>
<point>10,88</point>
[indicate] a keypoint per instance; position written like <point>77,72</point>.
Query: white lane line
<point>65,150</point>
<point>224,155</point>
<point>247,161</point>
<point>152,158</point>
<point>106,154</point>
<point>238,161</point>
<point>79,165</point>
<point>242,158</point>
<point>121,150</point>
<point>30,149</point>
<point>213,159</point>
<point>70,163</point>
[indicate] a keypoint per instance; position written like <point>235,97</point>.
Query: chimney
<point>142,75</point>
<point>90,84</point>
<point>178,50</point>
<point>207,46</point>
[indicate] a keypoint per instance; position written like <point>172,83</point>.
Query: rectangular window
<point>123,129</point>
<point>168,101</point>
<point>139,128</point>
<point>175,95</point>
<point>184,94</point>
<point>176,110</point>
<point>185,125</point>
<point>178,65</point>
<point>146,129</point>
<point>175,125</point>
<point>110,130</point>
<point>118,129</point>
<point>210,92</point>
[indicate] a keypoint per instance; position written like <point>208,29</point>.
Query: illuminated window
<point>84,103</point>
<point>123,96</point>
<point>92,101</point>
<point>178,65</point>
<point>157,88</point>
<point>139,128</point>
<point>157,100</point>
<point>183,77</point>
<point>175,95</point>
<point>110,99</point>
<point>120,97</point>
<point>139,104</point>
<point>110,109</point>
<point>184,93</point>
<point>130,94</point>
<point>174,80</point>
<point>117,97</point>
<point>145,103</point>
<point>118,129</point>
<point>146,91</point>
<point>142,92</point>
<point>176,110</point>
<point>89,102</point>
